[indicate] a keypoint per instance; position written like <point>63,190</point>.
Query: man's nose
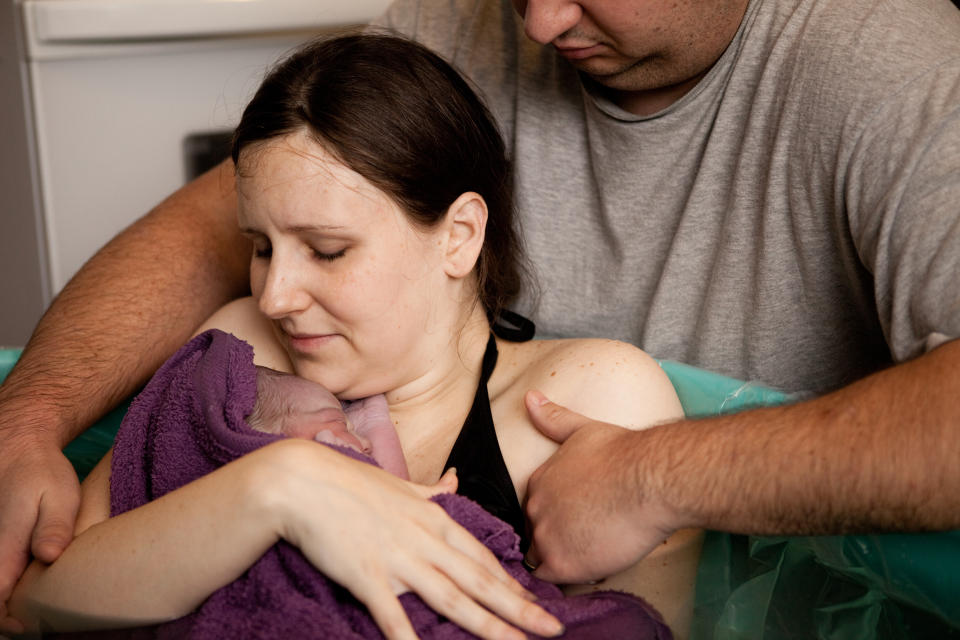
<point>546,20</point>
<point>282,294</point>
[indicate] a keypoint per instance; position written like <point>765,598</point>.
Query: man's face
<point>636,46</point>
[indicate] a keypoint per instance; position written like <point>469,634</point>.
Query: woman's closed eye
<point>321,255</point>
<point>264,251</point>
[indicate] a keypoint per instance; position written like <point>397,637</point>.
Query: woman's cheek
<point>258,276</point>
<point>365,291</point>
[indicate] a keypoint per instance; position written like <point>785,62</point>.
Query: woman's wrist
<point>274,482</point>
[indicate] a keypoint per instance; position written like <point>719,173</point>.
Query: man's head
<point>649,53</point>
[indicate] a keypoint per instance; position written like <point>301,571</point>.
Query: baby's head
<point>296,407</point>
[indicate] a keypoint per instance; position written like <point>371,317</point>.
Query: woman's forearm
<point>160,561</point>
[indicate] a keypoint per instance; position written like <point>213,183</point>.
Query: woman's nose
<point>282,295</point>
<point>546,20</point>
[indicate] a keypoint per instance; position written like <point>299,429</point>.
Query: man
<point>766,188</point>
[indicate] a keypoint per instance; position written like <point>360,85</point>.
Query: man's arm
<point>878,455</point>
<point>113,324</point>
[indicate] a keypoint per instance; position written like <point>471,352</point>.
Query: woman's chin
<point>340,387</point>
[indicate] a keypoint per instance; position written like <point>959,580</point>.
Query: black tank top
<point>481,471</point>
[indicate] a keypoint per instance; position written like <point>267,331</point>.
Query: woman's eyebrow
<point>296,228</point>
<point>307,228</point>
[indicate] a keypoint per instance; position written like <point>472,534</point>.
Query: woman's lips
<point>306,343</point>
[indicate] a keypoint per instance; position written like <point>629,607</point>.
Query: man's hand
<point>590,506</point>
<point>39,498</point>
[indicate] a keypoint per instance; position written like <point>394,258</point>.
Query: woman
<point>375,191</point>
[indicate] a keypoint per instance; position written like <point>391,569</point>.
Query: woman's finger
<point>472,580</point>
<point>446,598</point>
<point>476,552</point>
<point>447,483</point>
<point>387,612</point>
<point>458,576</point>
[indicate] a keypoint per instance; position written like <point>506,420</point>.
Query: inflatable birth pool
<point>764,588</point>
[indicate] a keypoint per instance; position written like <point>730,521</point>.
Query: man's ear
<point>466,223</point>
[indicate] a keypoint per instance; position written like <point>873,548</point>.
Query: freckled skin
<point>298,408</point>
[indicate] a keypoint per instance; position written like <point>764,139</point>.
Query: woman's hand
<point>379,536</point>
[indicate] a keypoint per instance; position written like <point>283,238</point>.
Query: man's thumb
<point>55,522</point>
<point>556,422</point>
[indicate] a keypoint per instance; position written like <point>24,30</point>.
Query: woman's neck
<point>429,411</point>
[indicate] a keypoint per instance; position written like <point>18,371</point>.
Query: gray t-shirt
<point>793,220</point>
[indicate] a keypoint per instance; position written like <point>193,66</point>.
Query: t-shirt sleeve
<point>903,197</point>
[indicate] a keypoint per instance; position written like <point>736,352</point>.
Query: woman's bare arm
<point>243,318</point>
<point>608,380</point>
<point>151,564</point>
<point>160,561</point>
<point>627,387</point>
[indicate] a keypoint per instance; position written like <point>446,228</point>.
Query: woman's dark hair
<point>402,118</point>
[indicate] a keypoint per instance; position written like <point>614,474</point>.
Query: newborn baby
<point>296,407</point>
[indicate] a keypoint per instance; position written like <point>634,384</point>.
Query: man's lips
<point>578,53</point>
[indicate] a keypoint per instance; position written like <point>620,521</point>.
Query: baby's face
<point>296,407</point>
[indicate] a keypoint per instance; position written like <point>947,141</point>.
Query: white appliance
<point>107,106</point>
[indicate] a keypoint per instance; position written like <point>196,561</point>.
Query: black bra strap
<point>513,327</point>
<point>486,369</point>
<point>479,461</point>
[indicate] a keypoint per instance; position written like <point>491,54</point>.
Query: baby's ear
<point>466,223</point>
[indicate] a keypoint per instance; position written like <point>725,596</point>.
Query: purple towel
<point>189,420</point>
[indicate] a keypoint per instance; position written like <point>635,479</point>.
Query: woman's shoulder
<point>604,379</point>
<point>243,319</point>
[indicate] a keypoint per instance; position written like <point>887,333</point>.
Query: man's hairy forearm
<point>129,308</point>
<point>877,455</point>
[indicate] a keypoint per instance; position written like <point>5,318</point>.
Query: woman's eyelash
<point>267,252</point>
<point>329,256</point>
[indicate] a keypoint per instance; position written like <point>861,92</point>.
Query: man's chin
<point>603,70</point>
<point>619,76</point>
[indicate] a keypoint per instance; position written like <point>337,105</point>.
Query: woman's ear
<point>466,223</point>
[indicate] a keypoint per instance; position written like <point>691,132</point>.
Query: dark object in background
<point>205,150</point>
